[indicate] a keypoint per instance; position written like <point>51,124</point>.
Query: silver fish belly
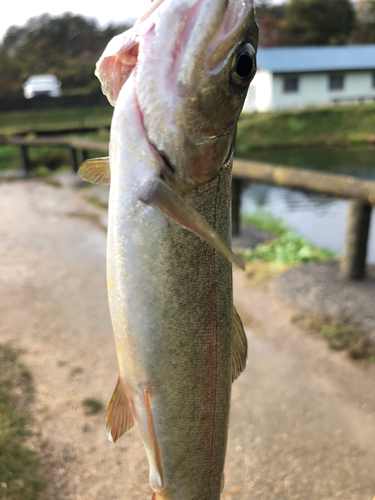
<point>179,341</point>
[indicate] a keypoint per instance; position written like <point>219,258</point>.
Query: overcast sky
<point>16,13</point>
<point>104,11</point>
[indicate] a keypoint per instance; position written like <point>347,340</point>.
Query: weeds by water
<point>286,249</point>
<point>266,221</point>
<point>20,478</point>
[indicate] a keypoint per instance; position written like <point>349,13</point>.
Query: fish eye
<point>244,64</point>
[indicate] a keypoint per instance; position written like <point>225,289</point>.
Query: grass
<point>21,122</point>
<point>20,477</point>
<point>330,126</point>
<point>45,159</point>
<point>287,248</point>
<point>265,220</point>
<point>339,332</point>
<point>92,406</point>
<point>77,370</point>
<point>35,121</point>
<point>262,132</point>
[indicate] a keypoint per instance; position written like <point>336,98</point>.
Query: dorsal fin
<point>239,346</point>
<point>119,418</point>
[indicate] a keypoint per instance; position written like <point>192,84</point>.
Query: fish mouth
<point>169,90</point>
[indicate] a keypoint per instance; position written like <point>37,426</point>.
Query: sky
<point>104,11</point>
<point>17,13</point>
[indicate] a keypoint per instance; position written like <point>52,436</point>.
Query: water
<point>319,218</point>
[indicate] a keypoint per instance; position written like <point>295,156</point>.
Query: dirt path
<point>302,420</point>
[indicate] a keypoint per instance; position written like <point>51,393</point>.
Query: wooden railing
<point>361,194</point>
<point>78,148</point>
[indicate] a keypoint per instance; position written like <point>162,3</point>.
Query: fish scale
<point>179,340</point>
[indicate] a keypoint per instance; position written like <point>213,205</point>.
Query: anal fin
<point>119,418</point>
<point>239,356</point>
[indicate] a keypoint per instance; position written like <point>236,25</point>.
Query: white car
<point>42,85</point>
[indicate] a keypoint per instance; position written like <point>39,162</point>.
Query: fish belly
<point>171,304</point>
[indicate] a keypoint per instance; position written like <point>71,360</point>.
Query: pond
<point>319,218</point>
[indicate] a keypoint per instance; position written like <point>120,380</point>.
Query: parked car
<point>42,85</point>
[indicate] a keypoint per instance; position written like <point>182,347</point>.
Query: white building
<point>299,77</point>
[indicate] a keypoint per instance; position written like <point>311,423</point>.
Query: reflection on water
<point>320,218</point>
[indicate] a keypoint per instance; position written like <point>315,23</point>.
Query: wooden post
<point>353,263</point>
<point>74,159</point>
<point>236,206</point>
<point>85,155</point>
<point>26,164</point>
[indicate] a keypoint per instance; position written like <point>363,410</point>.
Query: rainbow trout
<point>178,80</point>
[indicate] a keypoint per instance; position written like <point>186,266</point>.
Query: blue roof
<point>314,59</point>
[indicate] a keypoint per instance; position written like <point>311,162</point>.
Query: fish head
<point>213,91</point>
<point>193,62</point>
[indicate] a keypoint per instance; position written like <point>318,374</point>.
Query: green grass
<point>286,249</point>
<point>331,126</point>
<point>349,125</point>
<point>18,122</point>
<point>266,221</point>
<point>47,158</point>
<point>9,158</point>
<point>20,477</point>
<point>92,406</point>
<point>34,121</point>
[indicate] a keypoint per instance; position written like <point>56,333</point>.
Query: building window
<point>291,84</point>
<point>336,82</point>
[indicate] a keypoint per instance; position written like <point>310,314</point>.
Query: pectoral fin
<point>96,171</point>
<point>119,418</point>
<point>239,346</point>
<point>166,200</point>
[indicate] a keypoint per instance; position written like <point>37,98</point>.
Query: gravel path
<point>302,419</point>
<point>319,288</point>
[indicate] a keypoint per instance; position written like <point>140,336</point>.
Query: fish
<point>177,81</point>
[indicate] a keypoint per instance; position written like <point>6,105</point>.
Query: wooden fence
<point>361,193</point>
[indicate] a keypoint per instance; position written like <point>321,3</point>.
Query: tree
<point>269,19</point>
<point>67,46</point>
<point>318,22</point>
<point>365,24</point>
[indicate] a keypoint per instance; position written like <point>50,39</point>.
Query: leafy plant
<point>287,248</point>
<point>265,220</point>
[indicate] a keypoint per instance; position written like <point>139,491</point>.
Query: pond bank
<point>329,126</point>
